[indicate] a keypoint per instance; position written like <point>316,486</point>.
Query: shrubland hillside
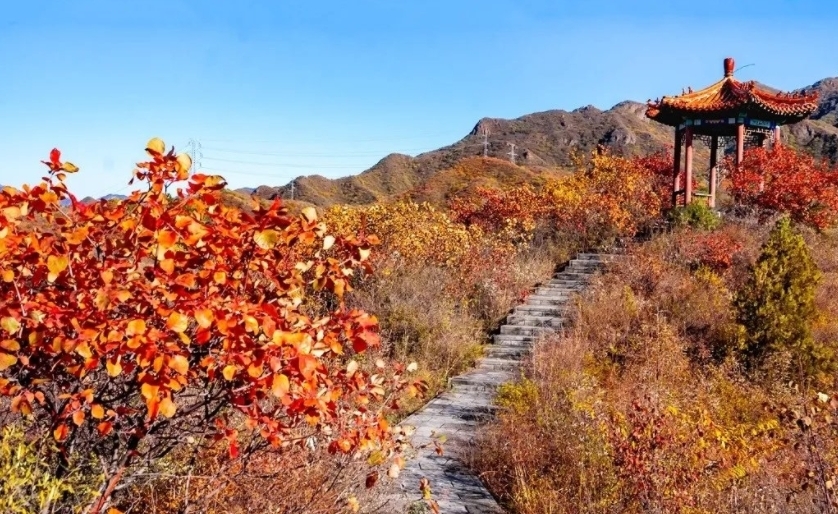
<point>700,372</point>
<point>238,356</point>
<point>213,328</point>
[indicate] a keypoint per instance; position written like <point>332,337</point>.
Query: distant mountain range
<point>544,143</point>
<point>543,140</point>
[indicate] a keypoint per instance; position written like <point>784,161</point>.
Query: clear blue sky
<point>329,87</point>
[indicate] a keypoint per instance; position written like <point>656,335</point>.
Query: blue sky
<point>278,89</point>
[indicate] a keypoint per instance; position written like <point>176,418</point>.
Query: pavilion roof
<point>730,97</point>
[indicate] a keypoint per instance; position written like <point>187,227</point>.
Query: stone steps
<point>469,401</point>
<point>501,351</point>
<point>513,339</point>
<point>548,310</point>
<point>525,330</point>
<point>546,300</point>
<point>538,321</point>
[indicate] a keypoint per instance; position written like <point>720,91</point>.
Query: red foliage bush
<point>164,315</point>
<point>781,180</point>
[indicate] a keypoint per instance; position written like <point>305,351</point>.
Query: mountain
<point>818,135</point>
<point>544,143</point>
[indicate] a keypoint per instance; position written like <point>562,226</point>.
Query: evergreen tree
<point>777,304</point>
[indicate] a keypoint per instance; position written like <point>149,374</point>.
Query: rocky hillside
<point>543,142</point>
<point>819,134</point>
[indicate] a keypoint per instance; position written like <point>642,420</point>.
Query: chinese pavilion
<point>725,110</point>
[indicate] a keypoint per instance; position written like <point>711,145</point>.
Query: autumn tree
<point>132,327</point>
<point>783,181</point>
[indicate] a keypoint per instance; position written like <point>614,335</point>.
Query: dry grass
<point>642,407</point>
<point>441,317</point>
<point>296,481</point>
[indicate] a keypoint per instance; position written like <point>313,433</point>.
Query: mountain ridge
<point>544,142</point>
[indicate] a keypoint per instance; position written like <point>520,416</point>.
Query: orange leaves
<point>167,407</point>
<point>155,146</point>
<point>229,372</point>
<point>280,385</point>
<point>135,327</point>
<point>149,391</point>
<point>56,265</point>
<point>307,365</point>
<point>180,299</point>
<point>61,432</point>
<point>114,367</point>
<point>204,317</point>
<point>7,361</point>
<point>166,238</point>
<point>177,322</point>
<point>10,345</point>
<point>97,411</point>
<point>200,183</point>
<point>168,265</point>
<point>179,363</point>
<point>266,239</point>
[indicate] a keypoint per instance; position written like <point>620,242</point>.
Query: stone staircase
<point>458,412</point>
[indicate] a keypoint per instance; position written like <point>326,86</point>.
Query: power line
<point>304,154</point>
<point>280,164</point>
<point>234,172</point>
<point>377,140</point>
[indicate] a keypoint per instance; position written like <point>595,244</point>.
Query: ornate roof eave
<point>728,97</point>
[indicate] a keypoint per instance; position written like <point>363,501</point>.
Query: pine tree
<point>777,304</point>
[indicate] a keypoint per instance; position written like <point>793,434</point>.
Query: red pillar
<point>740,143</point>
<point>714,149</point>
<point>688,165</point>
<point>676,168</point>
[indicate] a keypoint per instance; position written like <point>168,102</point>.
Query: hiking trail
<point>458,412</point>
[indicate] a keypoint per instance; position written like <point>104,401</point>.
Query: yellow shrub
<point>27,481</point>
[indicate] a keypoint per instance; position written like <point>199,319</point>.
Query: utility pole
<point>196,155</point>
<point>512,152</point>
<point>293,183</point>
<point>485,142</point>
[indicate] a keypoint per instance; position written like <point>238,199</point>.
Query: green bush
<point>777,304</point>
<point>696,215</point>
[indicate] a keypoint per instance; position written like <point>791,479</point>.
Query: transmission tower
<point>485,142</point>
<point>512,152</point>
<point>196,154</point>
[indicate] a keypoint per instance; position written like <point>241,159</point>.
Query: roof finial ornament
<point>729,65</point>
<point>689,89</point>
